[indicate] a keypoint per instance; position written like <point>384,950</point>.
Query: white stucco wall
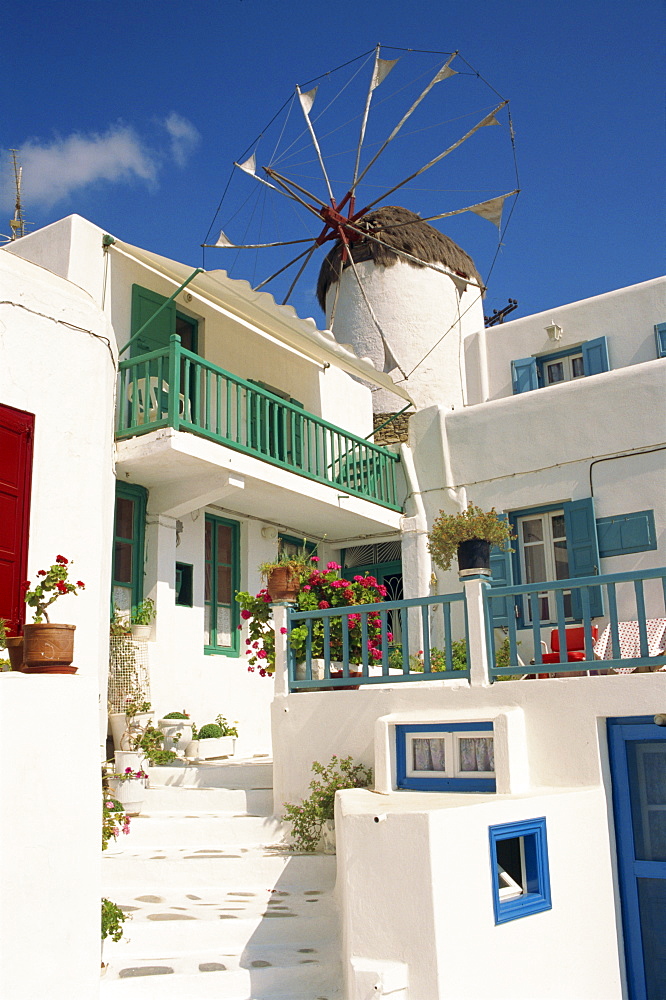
<point>416,888</point>
<point>50,837</point>
<point>420,312</point>
<point>626,317</point>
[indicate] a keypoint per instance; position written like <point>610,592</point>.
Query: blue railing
<point>173,387</point>
<point>583,591</point>
<point>339,643</point>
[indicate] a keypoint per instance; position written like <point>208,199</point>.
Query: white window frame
<point>550,566</point>
<point>451,754</point>
<point>567,363</point>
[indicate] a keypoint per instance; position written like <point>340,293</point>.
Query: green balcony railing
<point>173,387</point>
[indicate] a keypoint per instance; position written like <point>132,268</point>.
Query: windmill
<point>345,202</point>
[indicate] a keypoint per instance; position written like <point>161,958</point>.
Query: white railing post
<point>281,648</point>
<point>478,655</point>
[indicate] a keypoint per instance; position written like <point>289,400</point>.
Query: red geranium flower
<point>62,560</point>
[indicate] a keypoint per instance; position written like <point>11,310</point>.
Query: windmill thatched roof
<point>403,230</point>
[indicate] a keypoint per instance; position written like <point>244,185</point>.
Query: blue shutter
<point>660,334</point>
<point>624,533</point>
<point>524,375</point>
<point>501,576</point>
<point>595,356</point>
<point>583,551</point>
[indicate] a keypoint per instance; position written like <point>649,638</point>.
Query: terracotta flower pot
<point>14,645</point>
<point>48,649</point>
<point>283,584</point>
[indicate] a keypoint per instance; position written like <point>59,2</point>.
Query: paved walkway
<point>215,912</point>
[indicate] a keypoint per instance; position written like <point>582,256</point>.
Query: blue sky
<point>131,114</point>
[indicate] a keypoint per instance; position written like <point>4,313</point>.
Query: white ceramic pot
<point>118,723</point>
<point>141,632</point>
<point>328,836</point>
<point>318,669</point>
<point>129,758</point>
<point>222,746</point>
<point>182,728</point>
<point>131,792</point>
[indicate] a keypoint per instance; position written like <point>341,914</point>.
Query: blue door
<point>638,767</point>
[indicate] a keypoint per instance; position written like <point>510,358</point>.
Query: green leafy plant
<point>135,704</point>
<point>144,612</point>
<point>113,919</point>
<point>176,715</point>
<point>211,731</point>
<point>308,817</point>
<point>228,729</point>
<point>317,589</point>
<point>294,561</point>
<point>437,658</point>
<point>54,584</point>
<point>3,633</point>
<point>449,530</point>
<point>119,624</point>
<point>114,819</point>
<point>150,741</point>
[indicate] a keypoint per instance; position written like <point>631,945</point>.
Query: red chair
<point>575,645</point>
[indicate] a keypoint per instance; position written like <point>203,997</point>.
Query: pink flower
<point>246,614</point>
<point>389,636</point>
<point>283,631</point>
<point>324,604</point>
<point>261,654</point>
<point>375,654</point>
<point>333,565</point>
<point>307,587</point>
<point>358,579</point>
<point>314,558</point>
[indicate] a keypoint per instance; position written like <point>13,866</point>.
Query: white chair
<point>155,410</point>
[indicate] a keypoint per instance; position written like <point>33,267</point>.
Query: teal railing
<point>625,637</point>
<point>339,643</point>
<point>173,387</point>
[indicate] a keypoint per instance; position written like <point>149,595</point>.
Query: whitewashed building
<point>219,426</point>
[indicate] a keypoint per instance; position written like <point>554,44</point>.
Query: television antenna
<point>17,224</point>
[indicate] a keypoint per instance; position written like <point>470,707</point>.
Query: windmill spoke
<point>252,246</point>
<point>286,266</point>
<point>306,103</point>
<point>280,178</point>
<point>442,74</point>
<point>283,189</point>
<point>300,272</point>
<point>488,120</point>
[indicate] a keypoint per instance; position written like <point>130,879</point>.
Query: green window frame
<point>128,547</point>
<point>222,579</point>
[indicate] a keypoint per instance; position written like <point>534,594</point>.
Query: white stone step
<point>173,798</point>
<point>202,829</point>
<point>254,772</point>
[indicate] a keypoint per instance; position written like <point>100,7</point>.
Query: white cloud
<point>184,137</point>
<point>54,170</point>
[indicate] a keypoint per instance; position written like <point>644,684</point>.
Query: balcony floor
<point>185,472</point>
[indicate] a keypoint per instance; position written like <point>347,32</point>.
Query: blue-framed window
<point>556,541</point>
<point>567,365</point>
<point>221,610</point>
<point>519,869</point>
<point>448,756</point>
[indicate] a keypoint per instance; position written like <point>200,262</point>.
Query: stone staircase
<point>219,907</point>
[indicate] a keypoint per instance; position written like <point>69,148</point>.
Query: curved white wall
<point>419,310</point>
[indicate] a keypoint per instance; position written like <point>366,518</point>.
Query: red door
<point>16,435</point>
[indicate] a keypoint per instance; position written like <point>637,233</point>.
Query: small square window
<point>446,757</point>
<point>184,573</point>
<point>519,869</point>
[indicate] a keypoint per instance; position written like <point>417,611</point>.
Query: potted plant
<point>14,646</point>
<point>313,820</point>
<point>214,740</point>
<point>177,730</point>
<point>150,743</point>
<point>128,788</point>
<point>468,534</point>
<point>4,638</point>
<point>47,647</point>
<point>282,575</point>
<point>317,589</point>
<point>132,720</point>
<point>142,618</point>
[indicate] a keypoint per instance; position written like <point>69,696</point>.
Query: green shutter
<point>524,375</point>
<point>595,356</point>
<point>583,552</point>
<point>624,533</point>
<point>145,304</point>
